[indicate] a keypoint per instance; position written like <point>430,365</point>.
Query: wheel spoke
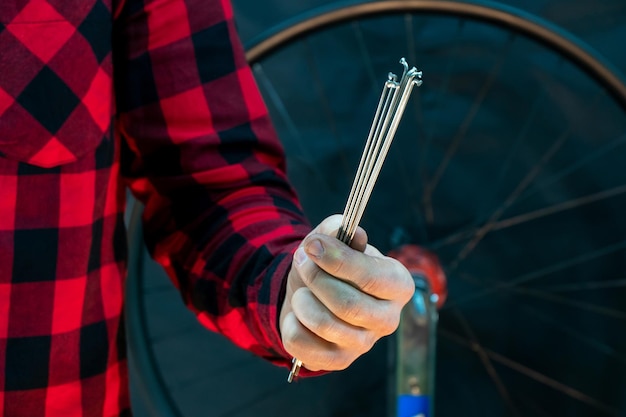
<point>514,149</point>
<point>416,103</point>
<point>587,286</point>
<point>561,326</point>
<point>558,208</point>
<point>325,104</point>
<point>423,154</point>
<point>278,103</point>
<point>533,374</point>
<point>495,216</point>
<point>486,361</point>
<point>366,57</point>
<point>469,233</point>
<point>540,273</point>
<point>579,305</point>
<point>582,162</point>
<point>465,125</point>
<point>517,192</point>
<point>272,95</point>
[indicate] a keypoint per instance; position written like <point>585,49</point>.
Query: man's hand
<point>340,300</point>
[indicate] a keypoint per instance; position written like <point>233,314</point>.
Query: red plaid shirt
<point>190,136</point>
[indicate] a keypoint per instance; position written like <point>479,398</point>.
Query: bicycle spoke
<point>547,296</point>
<point>495,216</point>
<point>366,57</point>
<point>563,327</point>
<point>409,31</point>
<point>540,273</point>
<point>423,154</point>
<point>596,344</point>
<point>453,238</point>
<point>558,208</point>
<point>321,91</point>
<point>555,299</point>
<point>469,233</point>
<point>514,148</point>
<point>519,189</point>
<point>416,103</point>
<point>465,125</point>
<point>586,286</point>
<point>375,83</point>
<point>591,157</point>
<point>533,374</point>
<point>486,361</point>
<point>278,103</point>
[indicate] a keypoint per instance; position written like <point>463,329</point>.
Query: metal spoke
<point>369,67</point>
<point>557,208</point>
<point>275,98</point>
<point>495,216</point>
<point>514,150</point>
<point>412,48</point>
<point>423,154</point>
<point>468,233</point>
<point>410,188</point>
<point>325,101</point>
<point>542,294</point>
<point>580,163</point>
<point>517,192</point>
<point>563,327</point>
<point>606,149</point>
<point>464,127</point>
<point>586,286</point>
<point>533,374</point>
<point>556,299</point>
<point>486,361</point>
<point>278,103</point>
<point>540,273</point>
<point>366,57</point>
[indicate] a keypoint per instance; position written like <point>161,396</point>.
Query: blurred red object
<point>423,262</point>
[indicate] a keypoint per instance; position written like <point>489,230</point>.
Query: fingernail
<point>315,248</point>
<point>300,256</point>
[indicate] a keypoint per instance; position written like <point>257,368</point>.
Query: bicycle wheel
<point>507,164</point>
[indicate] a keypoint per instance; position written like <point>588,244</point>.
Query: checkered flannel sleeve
<point>201,153</point>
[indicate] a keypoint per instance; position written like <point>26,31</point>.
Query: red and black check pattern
<point>192,139</point>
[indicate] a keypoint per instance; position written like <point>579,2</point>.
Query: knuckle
<point>328,360</point>
<point>324,326</point>
<point>371,284</point>
<point>389,321</point>
<point>340,361</point>
<point>338,262</point>
<point>391,324</point>
<point>351,309</point>
<point>403,280</point>
<point>291,342</point>
<point>368,340</point>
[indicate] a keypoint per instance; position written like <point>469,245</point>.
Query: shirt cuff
<point>271,320</point>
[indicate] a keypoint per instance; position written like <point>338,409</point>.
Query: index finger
<point>330,227</point>
<point>379,276</point>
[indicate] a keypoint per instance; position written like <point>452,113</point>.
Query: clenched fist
<point>340,299</point>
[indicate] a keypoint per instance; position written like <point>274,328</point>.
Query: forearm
<point>201,154</point>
